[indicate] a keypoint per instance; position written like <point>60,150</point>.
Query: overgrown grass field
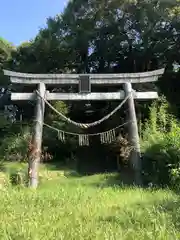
<point>91,207</point>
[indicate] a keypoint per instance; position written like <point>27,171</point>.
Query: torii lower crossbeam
<point>102,96</point>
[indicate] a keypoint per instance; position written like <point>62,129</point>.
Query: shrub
<point>18,178</point>
<point>160,145</point>
<point>14,146</point>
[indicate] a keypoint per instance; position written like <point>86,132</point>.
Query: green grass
<point>91,207</point>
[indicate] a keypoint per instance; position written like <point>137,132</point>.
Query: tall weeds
<point>14,145</point>
<point>160,145</point>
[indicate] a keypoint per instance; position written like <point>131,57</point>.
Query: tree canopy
<point>105,36</point>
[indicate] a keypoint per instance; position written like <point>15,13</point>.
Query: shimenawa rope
<point>105,137</point>
<point>88,134</point>
<point>85,125</point>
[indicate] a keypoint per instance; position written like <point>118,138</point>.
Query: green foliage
<point>61,107</point>
<point>5,50</point>
<point>58,149</point>
<point>19,178</point>
<point>4,122</point>
<point>160,142</point>
<point>14,146</point>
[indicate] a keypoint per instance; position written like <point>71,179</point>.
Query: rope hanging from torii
<point>105,137</point>
<point>85,125</point>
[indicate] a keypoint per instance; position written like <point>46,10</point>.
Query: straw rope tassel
<point>61,136</point>
<point>105,137</point>
<point>87,140</point>
<point>101,137</point>
<point>114,134</point>
<point>83,140</point>
<point>108,136</point>
<point>80,140</point>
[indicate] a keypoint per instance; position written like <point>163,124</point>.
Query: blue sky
<point>20,20</point>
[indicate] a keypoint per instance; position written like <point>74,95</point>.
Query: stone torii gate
<point>84,81</point>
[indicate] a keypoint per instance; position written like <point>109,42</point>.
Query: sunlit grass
<point>90,207</point>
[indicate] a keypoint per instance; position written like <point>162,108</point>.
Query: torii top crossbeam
<point>105,79</point>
